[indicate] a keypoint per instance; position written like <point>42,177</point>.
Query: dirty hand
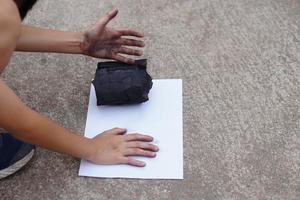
<point>104,42</point>
<point>114,147</point>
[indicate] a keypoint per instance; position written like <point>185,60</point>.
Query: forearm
<point>31,127</point>
<point>44,40</point>
<point>50,135</point>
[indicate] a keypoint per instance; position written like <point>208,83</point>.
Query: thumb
<point>107,17</point>
<point>116,131</point>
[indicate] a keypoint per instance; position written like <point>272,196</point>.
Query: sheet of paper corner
<point>160,117</point>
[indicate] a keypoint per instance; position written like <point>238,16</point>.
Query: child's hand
<point>113,147</point>
<point>104,42</point>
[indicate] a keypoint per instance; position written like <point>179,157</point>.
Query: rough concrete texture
<point>240,65</point>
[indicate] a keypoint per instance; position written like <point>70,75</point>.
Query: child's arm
<point>9,31</point>
<point>111,147</point>
<point>33,39</point>
<point>100,41</point>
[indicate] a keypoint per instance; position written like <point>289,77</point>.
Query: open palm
<point>104,42</point>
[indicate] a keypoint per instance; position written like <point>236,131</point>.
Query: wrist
<point>84,45</point>
<point>90,150</point>
<point>76,42</point>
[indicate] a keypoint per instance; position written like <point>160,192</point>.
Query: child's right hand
<point>114,147</point>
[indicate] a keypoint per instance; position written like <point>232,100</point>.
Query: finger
<point>130,42</point>
<point>108,17</point>
<point>142,145</point>
<point>122,59</point>
<point>128,32</point>
<point>139,152</point>
<point>116,131</point>
<point>128,51</point>
<point>133,162</point>
<point>138,137</point>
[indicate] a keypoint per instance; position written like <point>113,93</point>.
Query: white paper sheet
<point>160,117</point>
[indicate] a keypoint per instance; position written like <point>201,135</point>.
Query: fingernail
<point>142,163</point>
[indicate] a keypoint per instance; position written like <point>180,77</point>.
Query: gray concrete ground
<point>240,65</point>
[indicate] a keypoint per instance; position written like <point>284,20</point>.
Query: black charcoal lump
<point>118,83</point>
